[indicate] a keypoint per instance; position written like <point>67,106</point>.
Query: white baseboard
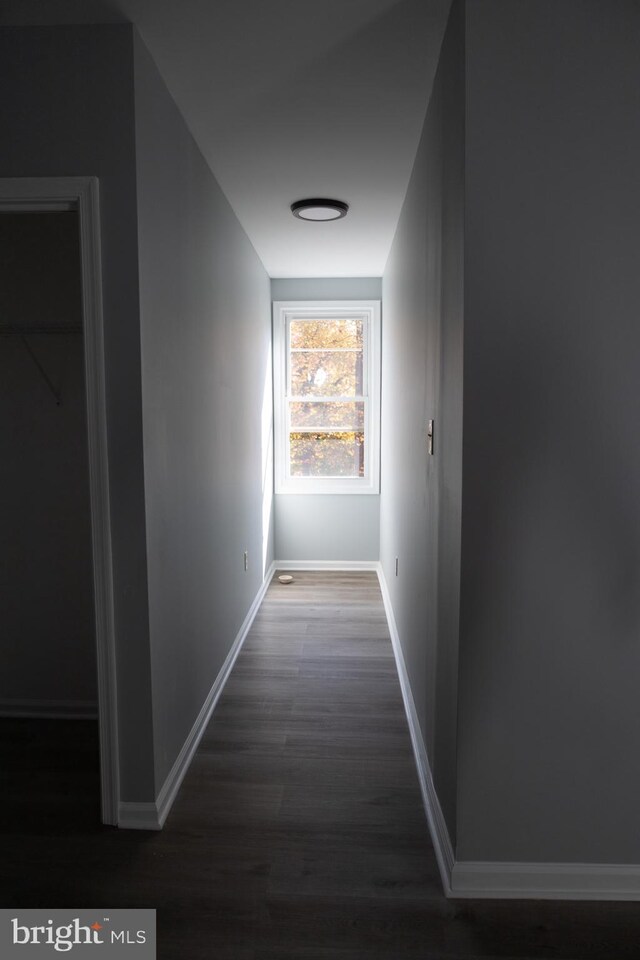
<point>151,816</point>
<point>435,818</point>
<point>525,881</point>
<point>545,881</point>
<point>138,816</point>
<point>50,709</point>
<point>326,565</point>
<point>460,879</point>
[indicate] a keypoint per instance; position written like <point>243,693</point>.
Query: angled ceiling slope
<point>290,99</point>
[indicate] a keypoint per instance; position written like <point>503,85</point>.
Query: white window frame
<point>369,312</point>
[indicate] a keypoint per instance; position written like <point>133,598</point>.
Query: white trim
<point>369,312</point>
<point>546,881</point>
<point>82,194</point>
<point>138,816</point>
<point>326,565</point>
<point>167,795</point>
<point>467,879</point>
<point>50,709</point>
<point>435,818</point>
<point>151,816</point>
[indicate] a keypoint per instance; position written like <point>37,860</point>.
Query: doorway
<point>57,670</point>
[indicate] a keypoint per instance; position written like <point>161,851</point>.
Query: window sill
<point>332,488</point>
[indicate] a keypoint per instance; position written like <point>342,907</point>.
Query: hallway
<point>304,785</point>
<point>299,832</point>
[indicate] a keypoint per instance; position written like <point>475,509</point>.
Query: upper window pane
<point>326,333</point>
<point>326,373</point>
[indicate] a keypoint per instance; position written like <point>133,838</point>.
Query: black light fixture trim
<point>338,207</point>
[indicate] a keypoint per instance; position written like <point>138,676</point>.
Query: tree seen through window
<point>326,398</point>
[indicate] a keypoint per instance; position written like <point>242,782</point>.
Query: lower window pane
<point>327,454</point>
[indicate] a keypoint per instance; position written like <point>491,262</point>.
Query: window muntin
<point>327,397</point>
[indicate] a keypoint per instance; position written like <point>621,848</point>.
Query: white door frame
<point>82,194</point>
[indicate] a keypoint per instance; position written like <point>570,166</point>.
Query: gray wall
<point>325,527</point>
<point>66,108</point>
<point>340,527</point>
<point>204,379</point>
<point>421,380</point>
<point>549,758</point>
<point>46,591</point>
<point>205,317</point>
<point>326,288</point>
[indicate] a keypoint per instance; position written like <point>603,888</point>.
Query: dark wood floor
<point>298,833</point>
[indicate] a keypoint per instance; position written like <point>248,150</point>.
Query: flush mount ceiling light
<point>319,209</point>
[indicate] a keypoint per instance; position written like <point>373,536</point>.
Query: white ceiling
<point>289,99</point>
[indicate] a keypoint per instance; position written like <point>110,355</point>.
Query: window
<point>327,397</point>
